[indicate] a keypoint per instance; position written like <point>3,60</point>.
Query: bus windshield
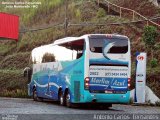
<point>114,45</point>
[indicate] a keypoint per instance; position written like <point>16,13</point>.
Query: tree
<point>101,13</point>
<point>150,35</point>
<point>48,57</point>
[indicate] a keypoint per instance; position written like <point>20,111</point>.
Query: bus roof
<point>66,39</point>
<point>69,39</point>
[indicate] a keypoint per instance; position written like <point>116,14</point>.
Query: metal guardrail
<point>83,24</point>
<point>134,13</point>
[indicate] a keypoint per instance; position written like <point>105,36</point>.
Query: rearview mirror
<point>27,72</point>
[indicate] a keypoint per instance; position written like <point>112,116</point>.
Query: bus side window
<point>78,46</point>
<point>79,53</point>
<point>68,51</point>
<point>48,57</point>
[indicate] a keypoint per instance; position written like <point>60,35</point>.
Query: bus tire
<point>35,97</point>
<point>106,105</point>
<point>110,105</point>
<point>68,99</point>
<point>61,98</point>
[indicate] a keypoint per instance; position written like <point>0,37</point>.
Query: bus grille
<point>77,90</point>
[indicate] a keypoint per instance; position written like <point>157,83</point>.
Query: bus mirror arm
<point>27,72</point>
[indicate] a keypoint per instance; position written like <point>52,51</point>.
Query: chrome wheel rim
<point>68,97</point>
<point>34,95</point>
<point>61,99</point>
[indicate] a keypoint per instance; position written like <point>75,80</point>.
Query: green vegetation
<point>12,83</point>
<point>48,57</point>
<point>15,61</point>
<point>18,93</point>
<point>154,63</point>
<point>101,13</point>
<point>78,14</point>
<point>149,37</point>
<point>30,15</point>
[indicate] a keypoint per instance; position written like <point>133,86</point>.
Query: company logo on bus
<point>140,58</point>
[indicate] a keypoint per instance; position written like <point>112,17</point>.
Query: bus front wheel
<point>35,97</point>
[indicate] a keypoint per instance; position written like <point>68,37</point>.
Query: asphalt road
<point>18,109</point>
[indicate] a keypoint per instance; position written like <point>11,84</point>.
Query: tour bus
<point>93,68</point>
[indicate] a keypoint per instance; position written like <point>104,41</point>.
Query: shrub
<point>154,63</point>
<point>101,13</point>
<point>18,93</point>
<point>150,35</point>
<point>48,57</point>
<point>78,14</point>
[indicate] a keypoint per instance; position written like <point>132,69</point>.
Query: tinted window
<point>43,54</point>
<point>69,51</point>
<point>114,45</point>
<point>63,52</point>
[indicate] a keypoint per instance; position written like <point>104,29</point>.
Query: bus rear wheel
<point>105,105</point>
<point>61,98</point>
<point>68,100</point>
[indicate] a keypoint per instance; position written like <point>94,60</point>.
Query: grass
<point>29,14</point>
<point>18,93</point>
<point>6,47</point>
<point>30,40</point>
<point>143,7</point>
<point>12,83</point>
<point>15,61</point>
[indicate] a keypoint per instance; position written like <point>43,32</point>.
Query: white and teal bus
<point>93,68</point>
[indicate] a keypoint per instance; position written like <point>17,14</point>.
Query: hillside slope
<point>14,57</point>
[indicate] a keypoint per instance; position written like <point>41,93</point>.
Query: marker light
<point>86,83</point>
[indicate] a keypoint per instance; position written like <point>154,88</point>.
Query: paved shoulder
<point>22,107</point>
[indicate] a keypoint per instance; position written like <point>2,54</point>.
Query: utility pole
<point>98,3</point>
<point>66,19</point>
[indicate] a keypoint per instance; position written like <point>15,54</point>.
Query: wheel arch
<point>34,87</point>
<point>59,91</point>
<point>66,90</point>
